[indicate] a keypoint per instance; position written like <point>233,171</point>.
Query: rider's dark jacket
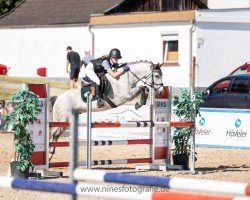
<point>98,68</point>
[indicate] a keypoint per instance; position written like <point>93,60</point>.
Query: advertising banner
<point>226,128</point>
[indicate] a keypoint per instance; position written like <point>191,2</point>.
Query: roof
<point>55,12</point>
<point>156,5</point>
<point>143,17</point>
<point>73,12</point>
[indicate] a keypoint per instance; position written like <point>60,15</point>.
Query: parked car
<point>228,92</point>
<point>243,69</point>
<point>3,69</point>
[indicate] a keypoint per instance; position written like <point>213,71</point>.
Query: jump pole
<point>176,183</point>
<point>131,124</point>
<point>74,147</point>
<point>103,143</point>
<point>193,115</point>
<point>89,130</point>
<point>86,190</point>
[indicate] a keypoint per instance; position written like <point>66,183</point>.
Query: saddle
<point>87,84</point>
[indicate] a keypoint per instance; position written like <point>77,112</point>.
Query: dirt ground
<point>215,164</point>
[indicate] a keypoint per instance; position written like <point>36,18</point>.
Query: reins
<point>147,77</point>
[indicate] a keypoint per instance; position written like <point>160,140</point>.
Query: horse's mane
<point>141,61</point>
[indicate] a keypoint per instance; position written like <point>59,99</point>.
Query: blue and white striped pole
<point>104,191</point>
<point>8,182</point>
<point>233,188</point>
<point>82,189</point>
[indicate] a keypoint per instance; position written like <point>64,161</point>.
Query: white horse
<point>142,74</point>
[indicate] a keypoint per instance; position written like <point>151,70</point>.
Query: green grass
<point>56,84</point>
<point>7,93</point>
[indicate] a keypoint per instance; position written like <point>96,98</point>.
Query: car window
<point>221,87</point>
<point>240,86</point>
<point>242,70</point>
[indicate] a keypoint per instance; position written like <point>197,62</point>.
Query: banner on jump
<point>122,114</point>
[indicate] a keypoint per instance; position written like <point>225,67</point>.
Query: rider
<point>104,65</point>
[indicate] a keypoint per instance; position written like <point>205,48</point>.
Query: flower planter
<point>17,173</point>
<point>181,159</point>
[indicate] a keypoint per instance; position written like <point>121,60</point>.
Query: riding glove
<point>126,68</point>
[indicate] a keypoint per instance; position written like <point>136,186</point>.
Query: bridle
<point>145,79</point>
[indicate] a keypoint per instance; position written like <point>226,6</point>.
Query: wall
<point>217,4</point>
<point>226,37</point>
<point>26,49</point>
<point>144,42</point>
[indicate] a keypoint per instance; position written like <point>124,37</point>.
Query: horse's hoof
<point>143,102</point>
<point>137,106</point>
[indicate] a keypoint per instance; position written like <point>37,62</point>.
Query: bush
<point>26,109</point>
<point>183,109</point>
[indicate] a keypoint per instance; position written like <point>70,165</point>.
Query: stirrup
<point>100,103</point>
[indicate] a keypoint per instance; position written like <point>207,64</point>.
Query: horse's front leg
<point>144,95</point>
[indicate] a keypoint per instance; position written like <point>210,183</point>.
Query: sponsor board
<point>226,128</point>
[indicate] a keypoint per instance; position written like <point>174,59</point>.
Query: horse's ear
<point>158,65</point>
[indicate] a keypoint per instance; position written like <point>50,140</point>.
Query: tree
<point>204,1</point>
<point>7,5</point>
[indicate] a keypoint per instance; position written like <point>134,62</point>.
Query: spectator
<point>87,58</point>
<point>73,66</point>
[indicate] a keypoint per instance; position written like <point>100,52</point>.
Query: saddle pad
<point>84,90</point>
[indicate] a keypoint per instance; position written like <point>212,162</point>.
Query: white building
<point>218,39</point>
<point>221,4</point>
<point>37,33</point>
<point>148,37</point>
<point>223,39</point>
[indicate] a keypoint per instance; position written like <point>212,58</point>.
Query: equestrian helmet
<point>115,53</point>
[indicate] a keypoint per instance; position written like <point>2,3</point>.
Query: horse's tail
<point>52,101</point>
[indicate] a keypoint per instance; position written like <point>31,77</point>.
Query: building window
<point>170,48</point>
<point>171,51</point>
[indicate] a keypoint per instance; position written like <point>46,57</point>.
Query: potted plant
<point>26,109</point>
<point>182,106</point>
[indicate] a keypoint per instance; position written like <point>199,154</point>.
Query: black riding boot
<point>100,103</point>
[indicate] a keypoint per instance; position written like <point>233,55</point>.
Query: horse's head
<point>149,74</point>
<point>157,79</point>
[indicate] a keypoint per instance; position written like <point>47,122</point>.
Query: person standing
<point>73,66</point>
<point>87,58</point>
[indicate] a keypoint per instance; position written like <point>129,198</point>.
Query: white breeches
<point>89,72</point>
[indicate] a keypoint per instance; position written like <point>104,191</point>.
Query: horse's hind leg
<point>55,135</point>
<point>52,150</point>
